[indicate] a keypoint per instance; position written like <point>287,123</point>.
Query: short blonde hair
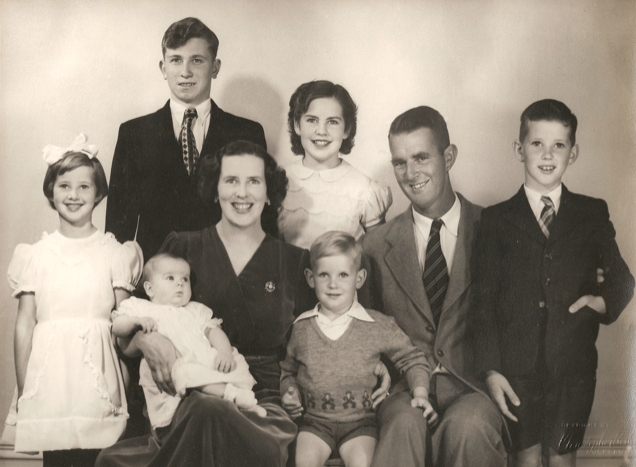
<point>149,267</point>
<point>333,243</point>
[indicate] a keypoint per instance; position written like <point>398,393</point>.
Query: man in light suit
<point>470,426</point>
<point>153,191</point>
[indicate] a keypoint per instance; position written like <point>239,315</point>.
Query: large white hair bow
<point>52,154</point>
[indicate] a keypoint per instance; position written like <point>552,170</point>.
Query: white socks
<point>243,398</point>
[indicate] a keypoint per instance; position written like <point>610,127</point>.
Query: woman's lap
<point>208,430</point>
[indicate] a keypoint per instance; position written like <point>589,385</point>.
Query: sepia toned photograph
<point>318,233</point>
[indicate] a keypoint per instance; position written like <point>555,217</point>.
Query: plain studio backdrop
<point>87,66</point>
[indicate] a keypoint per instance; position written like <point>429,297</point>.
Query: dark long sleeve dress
<point>258,308</point>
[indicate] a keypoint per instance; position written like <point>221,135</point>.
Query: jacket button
<point>430,329</point>
<point>541,304</point>
<point>440,353</point>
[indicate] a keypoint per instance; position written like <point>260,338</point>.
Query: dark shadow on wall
<point>254,98</point>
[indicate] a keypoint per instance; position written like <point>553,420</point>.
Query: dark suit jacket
<point>150,192</point>
<point>395,287</point>
<point>526,284</point>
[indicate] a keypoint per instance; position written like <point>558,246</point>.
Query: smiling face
<point>322,130</point>
<point>242,190</point>
<point>74,196</point>
<point>190,70</point>
<point>546,152</point>
<point>421,169</point>
<point>335,279</point>
<point>169,282</point>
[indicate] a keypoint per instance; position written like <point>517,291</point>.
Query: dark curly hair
<point>72,161</point>
<point>275,179</point>
<point>308,92</point>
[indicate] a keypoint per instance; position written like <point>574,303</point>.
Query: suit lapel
<point>402,261</point>
<point>520,214</point>
<point>570,214</point>
<point>460,270</point>
<point>212,135</point>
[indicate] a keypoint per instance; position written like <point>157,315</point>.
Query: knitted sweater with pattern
<point>335,377</point>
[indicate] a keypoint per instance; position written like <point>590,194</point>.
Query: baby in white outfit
<point>208,362</point>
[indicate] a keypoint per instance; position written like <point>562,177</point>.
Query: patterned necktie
<point>547,216</point>
<point>435,276</point>
<point>188,144</point>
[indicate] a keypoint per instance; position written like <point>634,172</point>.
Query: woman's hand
<point>381,371</point>
<point>160,355</point>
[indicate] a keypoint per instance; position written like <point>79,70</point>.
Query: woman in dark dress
<point>255,283</point>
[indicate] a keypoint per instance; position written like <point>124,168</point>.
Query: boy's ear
<point>518,149</point>
<point>162,68</point>
<point>360,278</point>
<point>216,66</point>
<point>574,154</point>
<point>450,156</point>
<point>309,275</point>
<point>148,289</point>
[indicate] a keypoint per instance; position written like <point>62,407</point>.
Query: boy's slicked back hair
<point>550,110</point>
<point>180,32</point>
<point>305,95</point>
<point>422,117</point>
<point>335,243</point>
<point>149,267</point>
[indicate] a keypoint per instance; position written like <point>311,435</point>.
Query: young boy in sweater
<point>331,356</point>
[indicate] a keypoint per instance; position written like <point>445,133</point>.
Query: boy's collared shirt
<point>336,328</point>
<point>534,198</point>
<point>200,124</point>
<point>448,234</point>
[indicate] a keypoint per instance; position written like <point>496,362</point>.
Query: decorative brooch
<point>270,287</point>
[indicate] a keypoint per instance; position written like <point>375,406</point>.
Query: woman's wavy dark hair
<point>275,179</point>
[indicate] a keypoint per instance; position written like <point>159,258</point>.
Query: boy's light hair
<point>334,243</point>
<point>550,110</point>
<point>149,267</point>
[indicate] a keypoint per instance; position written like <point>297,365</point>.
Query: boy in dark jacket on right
<point>539,303</point>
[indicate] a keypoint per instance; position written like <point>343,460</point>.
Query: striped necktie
<point>435,276</point>
<point>188,144</point>
<point>547,216</point>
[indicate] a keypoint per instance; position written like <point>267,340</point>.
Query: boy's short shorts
<point>554,410</point>
<point>335,434</point>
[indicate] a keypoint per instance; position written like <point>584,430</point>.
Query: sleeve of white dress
<point>126,265</point>
<point>378,202</point>
<point>22,272</point>
<point>203,316</point>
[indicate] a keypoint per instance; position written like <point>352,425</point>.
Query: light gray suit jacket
<point>395,287</point>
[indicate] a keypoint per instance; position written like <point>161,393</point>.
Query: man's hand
<point>224,362</point>
<point>382,372</point>
<point>160,354</point>
<point>291,402</point>
<point>596,303</point>
<point>499,388</point>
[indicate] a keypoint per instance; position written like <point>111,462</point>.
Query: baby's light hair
<point>149,267</point>
<point>550,110</point>
<point>72,161</point>
<point>334,243</point>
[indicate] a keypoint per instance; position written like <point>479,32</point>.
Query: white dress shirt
<point>534,198</point>
<point>200,124</point>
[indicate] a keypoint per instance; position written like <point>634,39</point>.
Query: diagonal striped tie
<point>188,144</point>
<point>435,276</point>
<point>547,216</point>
